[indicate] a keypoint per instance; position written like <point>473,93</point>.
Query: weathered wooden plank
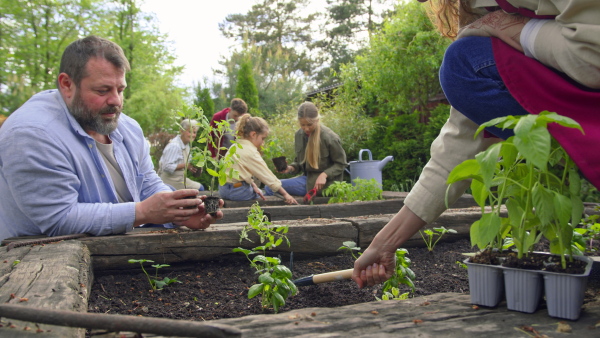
<point>53,276</point>
<point>439,315</point>
<point>317,200</point>
<point>173,246</point>
<point>117,323</point>
<point>457,219</point>
<point>307,240</point>
<point>337,210</point>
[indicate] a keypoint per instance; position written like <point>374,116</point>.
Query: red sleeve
<point>220,116</point>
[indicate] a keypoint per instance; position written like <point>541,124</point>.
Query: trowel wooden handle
<point>332,276</point>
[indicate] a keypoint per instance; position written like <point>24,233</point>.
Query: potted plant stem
<point>218,167</point>
<point>535,180</point>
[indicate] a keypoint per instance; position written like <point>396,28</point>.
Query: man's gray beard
<point>90,120</point>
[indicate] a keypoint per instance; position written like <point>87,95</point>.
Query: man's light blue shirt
<point>54,181</point>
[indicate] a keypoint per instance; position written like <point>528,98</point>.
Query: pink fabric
<point>538,88</point>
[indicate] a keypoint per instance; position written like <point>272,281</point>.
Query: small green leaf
<point>488,160</point>
<point>465,170</point>
<point>211,172</point>
<point>283,271</point>
<point>543,201</point>
<point>534,146</point>
<point>266,278</point>
<point>562,205</point>
<point>255,290</point>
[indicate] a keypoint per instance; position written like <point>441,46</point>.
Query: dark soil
<point>544,262</point>
<point>211,204</point>
<point>218,289</point>
<point>533,261</point>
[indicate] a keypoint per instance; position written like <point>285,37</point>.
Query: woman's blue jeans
<point>295,186</point>
<point>243,193</point>
<point>473,86</point>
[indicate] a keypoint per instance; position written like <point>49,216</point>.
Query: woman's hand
<point>378,262</point>
<point>321,181</point>
<point>289,199</point>
<point>499,24</point>
<point>258,191</point>
<point>374,266</point>
<point>288,170</point>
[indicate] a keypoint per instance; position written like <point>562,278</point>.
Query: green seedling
<point>533,178</point>
<point>14,263</point>
<point>461,264</point>
<point>394,294</point>
<point>274,282</point>
<point>155,282</point>
<point>351,247</point>
<point>585,235</point>
<point>429,234</point>
<point>402,275</point>
<point>220,167</point>
<point>362,190</point>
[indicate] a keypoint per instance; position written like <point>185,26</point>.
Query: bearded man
<point>71,162</point>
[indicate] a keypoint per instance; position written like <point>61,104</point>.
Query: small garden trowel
<point>309,195</point>
<point>324,277</point>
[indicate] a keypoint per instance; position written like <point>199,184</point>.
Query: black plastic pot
<point>280,163</point>
<point>198,173</point>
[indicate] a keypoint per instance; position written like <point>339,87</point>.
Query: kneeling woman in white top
<point>251,133</point>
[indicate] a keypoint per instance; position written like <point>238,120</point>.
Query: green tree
<point>393,80</point>
<point>273,25</point>
<point>277,85</point>
<point>246,87</point>
<point>203,99</point>
<point>398,73</point>
<point>348,26</point>
<point>152,66</point>
<point>33,35</point>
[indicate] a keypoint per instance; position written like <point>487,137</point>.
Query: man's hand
<point>506,27</point>
<point>202,220</point>
<point>165,207</point>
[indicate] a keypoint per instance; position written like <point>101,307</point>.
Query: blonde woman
<point>510,57</point>
<point>251,133</point>
<point>319,155</point>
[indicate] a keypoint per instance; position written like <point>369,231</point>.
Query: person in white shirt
<point>176,156</point>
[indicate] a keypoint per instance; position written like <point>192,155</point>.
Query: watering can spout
<point>384,162</point>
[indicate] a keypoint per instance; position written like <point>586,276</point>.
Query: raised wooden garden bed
<point>58,277</point>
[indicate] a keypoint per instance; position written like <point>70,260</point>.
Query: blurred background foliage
<point>371,66</point>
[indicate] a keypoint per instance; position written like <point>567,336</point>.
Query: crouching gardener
<point>71,163</point>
